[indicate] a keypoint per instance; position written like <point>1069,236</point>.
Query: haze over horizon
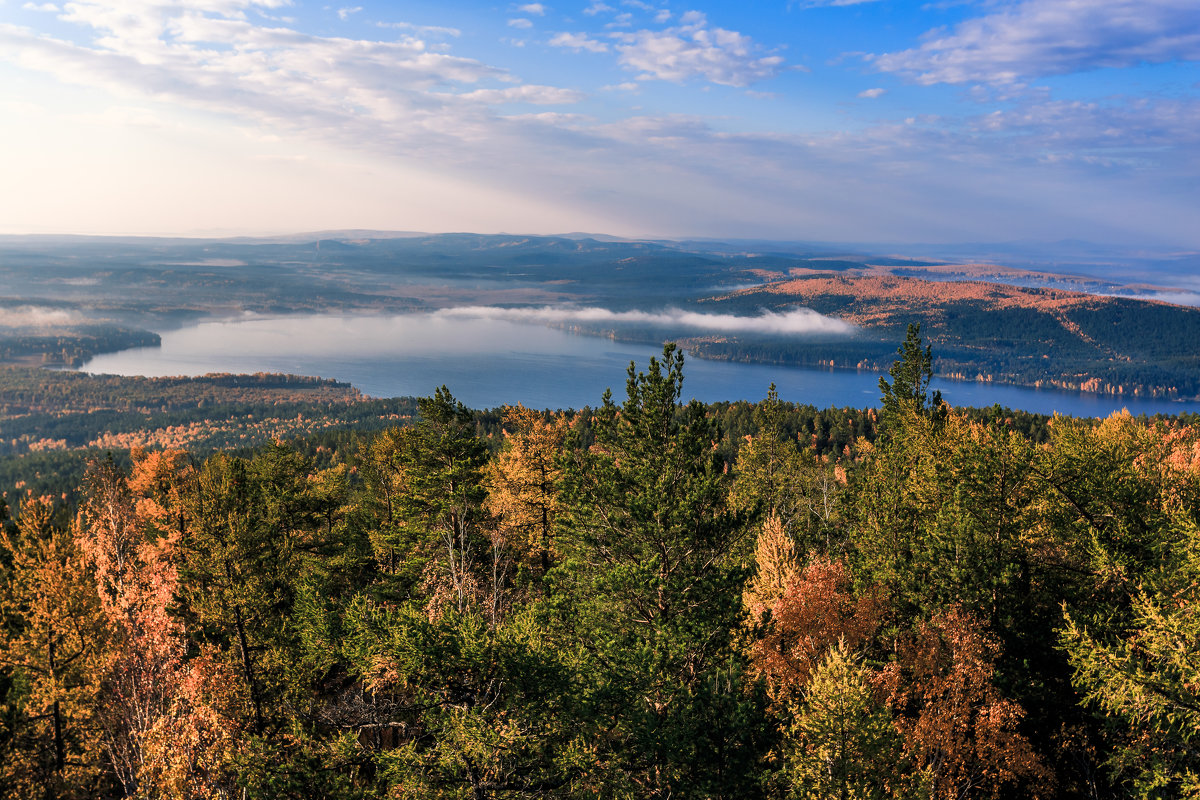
<point>824,120</point>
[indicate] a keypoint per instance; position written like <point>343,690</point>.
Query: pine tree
<point>911,373</point>
<point>654,564</point>
<point>842,744</point>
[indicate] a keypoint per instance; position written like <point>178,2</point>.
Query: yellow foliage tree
<point>776,566</point>
<point>50,648</point>
<point>523,482</point>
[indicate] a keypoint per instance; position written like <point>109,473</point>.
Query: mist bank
<point>798,321</point>
<point>37,317</point>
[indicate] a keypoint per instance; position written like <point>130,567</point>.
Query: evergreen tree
<point>911,375</point>
<point>842,744</point>
<point>773,474</point>
<point>654,562</point>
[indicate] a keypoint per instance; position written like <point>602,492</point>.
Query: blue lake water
<point>490,362</point>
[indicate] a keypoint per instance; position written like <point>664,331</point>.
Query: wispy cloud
<point>798,321</point>
<point>345,13</point>
<point>1038,38</point>
<point>694,50</point>
<point>535,9</point>
<point>276,76</point>
<point>527,93</point>
<point>871,94</point>
<point>827,3</point>
<point>1122,167</point>
<point>578,41</point>
<point>520,22</point>
<point>421,30</point>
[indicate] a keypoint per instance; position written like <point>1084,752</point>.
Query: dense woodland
<point>622,602</point>
<point>1005,334</point>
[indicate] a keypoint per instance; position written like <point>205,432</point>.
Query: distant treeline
<point>74,346</point>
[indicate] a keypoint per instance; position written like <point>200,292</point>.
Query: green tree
<point>654,563</point>
<point>432,477</point>
<point>773,474</point>
<point>457,705</point>
<point>911,375</point>
<point>842,744</point>
<point>249,526</point>
<point>1129,494</point>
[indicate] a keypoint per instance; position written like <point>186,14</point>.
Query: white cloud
<point>828,3</point>
<point>520,22</point>
<point>794,322</point>
<point>597,7</point>
<point>344,13</point>
<point>662,16</point>
<point>421,30</point>
<point>398,96</point>
<point>1052,37</point>
<point>47,7</point>
<point>577,42</point>
<point>871,94</point>
<point>528,93</point>
<point>693,50</point>
<point>536,9</point>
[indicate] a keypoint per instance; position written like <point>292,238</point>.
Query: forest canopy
<point>622,602</point>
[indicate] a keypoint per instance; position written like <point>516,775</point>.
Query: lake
<point>490,362</point>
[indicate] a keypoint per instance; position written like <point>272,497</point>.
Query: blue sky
<point>877,121</point>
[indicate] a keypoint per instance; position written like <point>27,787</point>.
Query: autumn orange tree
<point>776,566</point>
<point>959,730</point>
<point>816,612</point>
<point>136,580</point>
<point>163,735</point>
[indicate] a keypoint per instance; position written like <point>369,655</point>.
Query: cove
<point>491,362</point>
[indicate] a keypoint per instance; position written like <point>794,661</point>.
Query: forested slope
<point>620,604</point>
<point>982,331</point>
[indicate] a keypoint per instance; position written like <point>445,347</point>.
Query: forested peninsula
<point>625,601</point>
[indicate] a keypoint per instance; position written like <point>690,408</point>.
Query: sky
<point>816,120</point>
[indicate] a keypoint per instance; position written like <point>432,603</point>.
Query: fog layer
<point>795,321</point>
